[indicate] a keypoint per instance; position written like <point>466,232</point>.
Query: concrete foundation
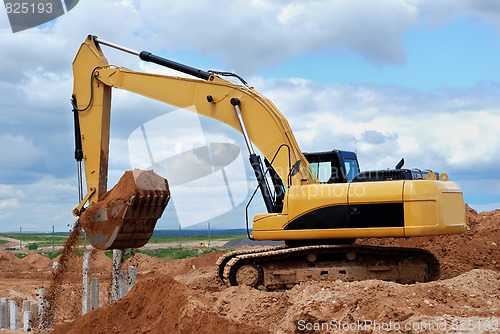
<point>42,307</point>
<point>13,314</point>
<point>86,283</point>
<point>4,312</point>
<point>34,314</point>
<point>95,293</point>
<point>122,283</point>
<point>117,263</point>
<point>132,277</point>
<point>26,307</point>
<point>27,321</point>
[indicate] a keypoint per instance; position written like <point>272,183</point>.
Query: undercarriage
<point>283,267</point>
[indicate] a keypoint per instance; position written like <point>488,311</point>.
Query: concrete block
<point>86,283</point>
<point>13,308</point>
<point>27,323</point>
<point>4,312</point>
<point>132,277</point>
<point>95,293</point>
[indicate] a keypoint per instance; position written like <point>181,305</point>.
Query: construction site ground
<point>184,296</point>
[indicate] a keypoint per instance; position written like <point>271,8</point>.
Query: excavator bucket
<point>127,214</point>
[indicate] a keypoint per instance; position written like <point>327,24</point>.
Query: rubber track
<point>225,258</point>
<point>228,263</point>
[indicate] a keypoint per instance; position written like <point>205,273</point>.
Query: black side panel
<point>329,217</point>
<point>377,215</point>
<point>351,216</point>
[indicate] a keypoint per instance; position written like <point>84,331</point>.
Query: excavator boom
<point>208,95</point>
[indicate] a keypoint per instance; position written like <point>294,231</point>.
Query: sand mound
<point>145,264</point>
<point>184,296</point>
<point>100,262</point>
<point>186,266</point>
<point>359,302</point>
<point>74,262</point>
<point>165,306</point>
<point>477,248</point>
<point>11,263</point>
<point>38,261</point>
<point>157,306</point>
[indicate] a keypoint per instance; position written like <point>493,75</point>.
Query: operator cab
<point>334,166</point>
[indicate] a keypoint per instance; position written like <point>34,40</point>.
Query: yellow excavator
<point>317,203</point>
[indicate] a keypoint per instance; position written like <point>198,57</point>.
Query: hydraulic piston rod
<point>255,161</point>
<point>149,57</point>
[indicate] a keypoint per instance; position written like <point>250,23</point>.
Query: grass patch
<point>169,254</point>
<point>3,242</point>
<point>127,253</point>
<point>51,255</point>
<point>187,238</point>
<point>21,255</point>
<point>46,239</point>
<point>42,240</point>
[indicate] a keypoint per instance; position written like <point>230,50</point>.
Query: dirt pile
<point>478,247</point>
<point>10,263</point>
<point>157,306</point>
<point>165,304</point>
<point>146,264</point>
<point>100,263</point>
<point>184,296</point>
<point>362,305</point>
<point>38,261</point>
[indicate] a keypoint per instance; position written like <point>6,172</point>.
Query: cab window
<point>323,170</point>
<point>351,169</point>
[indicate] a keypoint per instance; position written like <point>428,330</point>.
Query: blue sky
<point>417,79</point>
<point>459,53</point>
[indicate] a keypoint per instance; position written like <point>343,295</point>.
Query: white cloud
<point>246,35</point>
<point>274,31</point>
<point>39,205</point>
<point>447,10</point>
<point>407,123</point>
<point>18,151</point>
<point>10,196</point>
<point>41,87</point>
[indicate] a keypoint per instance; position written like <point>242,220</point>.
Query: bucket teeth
<point>127,224</point>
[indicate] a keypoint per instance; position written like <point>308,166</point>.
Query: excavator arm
<point>214,97</point>
<point>238,106</point>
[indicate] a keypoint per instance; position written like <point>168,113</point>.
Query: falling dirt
<point>58,275</point>
<point>185,296</point>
